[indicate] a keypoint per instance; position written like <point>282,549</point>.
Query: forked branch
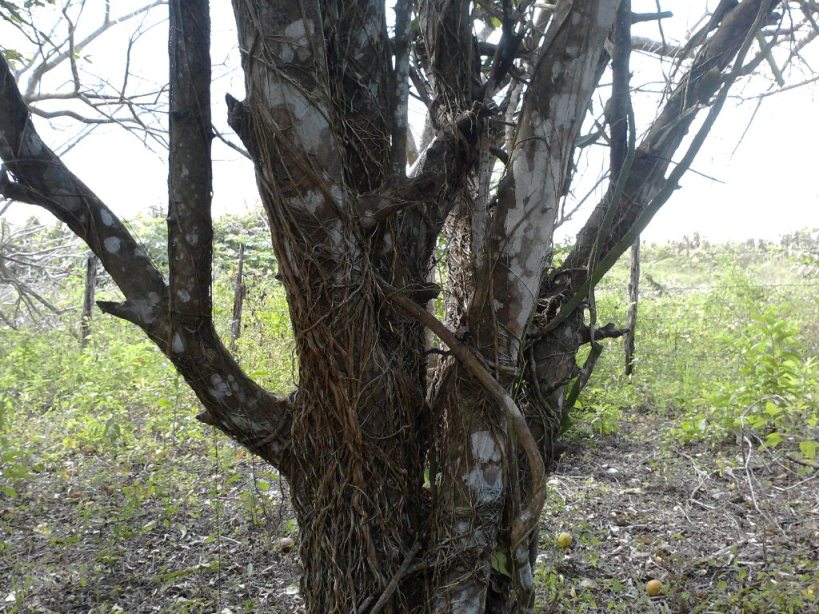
<point>233,402</point>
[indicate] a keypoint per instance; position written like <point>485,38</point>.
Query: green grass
<point>727,339</point>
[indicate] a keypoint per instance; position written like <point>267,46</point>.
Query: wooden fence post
<point>631,317</point>
<point>239,291</point>
<point>88,298</point>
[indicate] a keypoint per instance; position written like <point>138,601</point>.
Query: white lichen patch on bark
<point>177,344</point>
<point>106,218</point>
<point>485,484</point>
<point>466,600</point>
<point>485,478</point>
<point>145,310</point>
<point>294,43</point>
<point>112,244</point>
<point>219,388</point>
<point>525,568</point>
<point>484,447</point>
<point>310,126</point>
<point>313,201</point>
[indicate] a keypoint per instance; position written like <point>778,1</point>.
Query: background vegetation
<point>104,472</point>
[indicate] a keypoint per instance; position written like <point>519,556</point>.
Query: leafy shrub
<point>774,395</point>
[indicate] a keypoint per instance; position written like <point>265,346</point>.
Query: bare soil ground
<point>728,530</point>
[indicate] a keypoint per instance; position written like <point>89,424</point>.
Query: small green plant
<point>773,396</point>
<point>14,461</point>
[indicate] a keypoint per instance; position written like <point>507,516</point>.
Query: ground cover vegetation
<point>114,498</point>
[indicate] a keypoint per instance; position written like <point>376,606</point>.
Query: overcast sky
<point>767,186</point>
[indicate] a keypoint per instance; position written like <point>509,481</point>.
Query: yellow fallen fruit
<point>653,587</point>
<point>564,540</point>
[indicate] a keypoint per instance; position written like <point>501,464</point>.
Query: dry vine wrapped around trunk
<point>413,493</point>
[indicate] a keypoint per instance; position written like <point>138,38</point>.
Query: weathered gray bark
<point>406,490</point>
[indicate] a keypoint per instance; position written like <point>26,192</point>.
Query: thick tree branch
<point>190,229</point>
<point>234,403</point>
<point>553,110</point>
<point>42,179</point>
<point>426,199</point>
<point>657,148</point>
<point>447,37</point>
<point>362,87</point>
<point>286,125</point>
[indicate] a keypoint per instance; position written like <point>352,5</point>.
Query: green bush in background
<point>727,338</point>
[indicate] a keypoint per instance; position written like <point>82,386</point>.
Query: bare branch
<point>73,115</point>
<point>640,17</point>
<point>403,22</point>
<point>641,43</point>
<point>42,179</point>
<point>241,150</point>
<point>39,70</point>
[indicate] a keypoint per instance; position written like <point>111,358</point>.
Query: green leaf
<point>499,563</point>
<point>773,440</point>
<point>808,449</point>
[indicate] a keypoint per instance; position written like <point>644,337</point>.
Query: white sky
<point>768,187</point>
